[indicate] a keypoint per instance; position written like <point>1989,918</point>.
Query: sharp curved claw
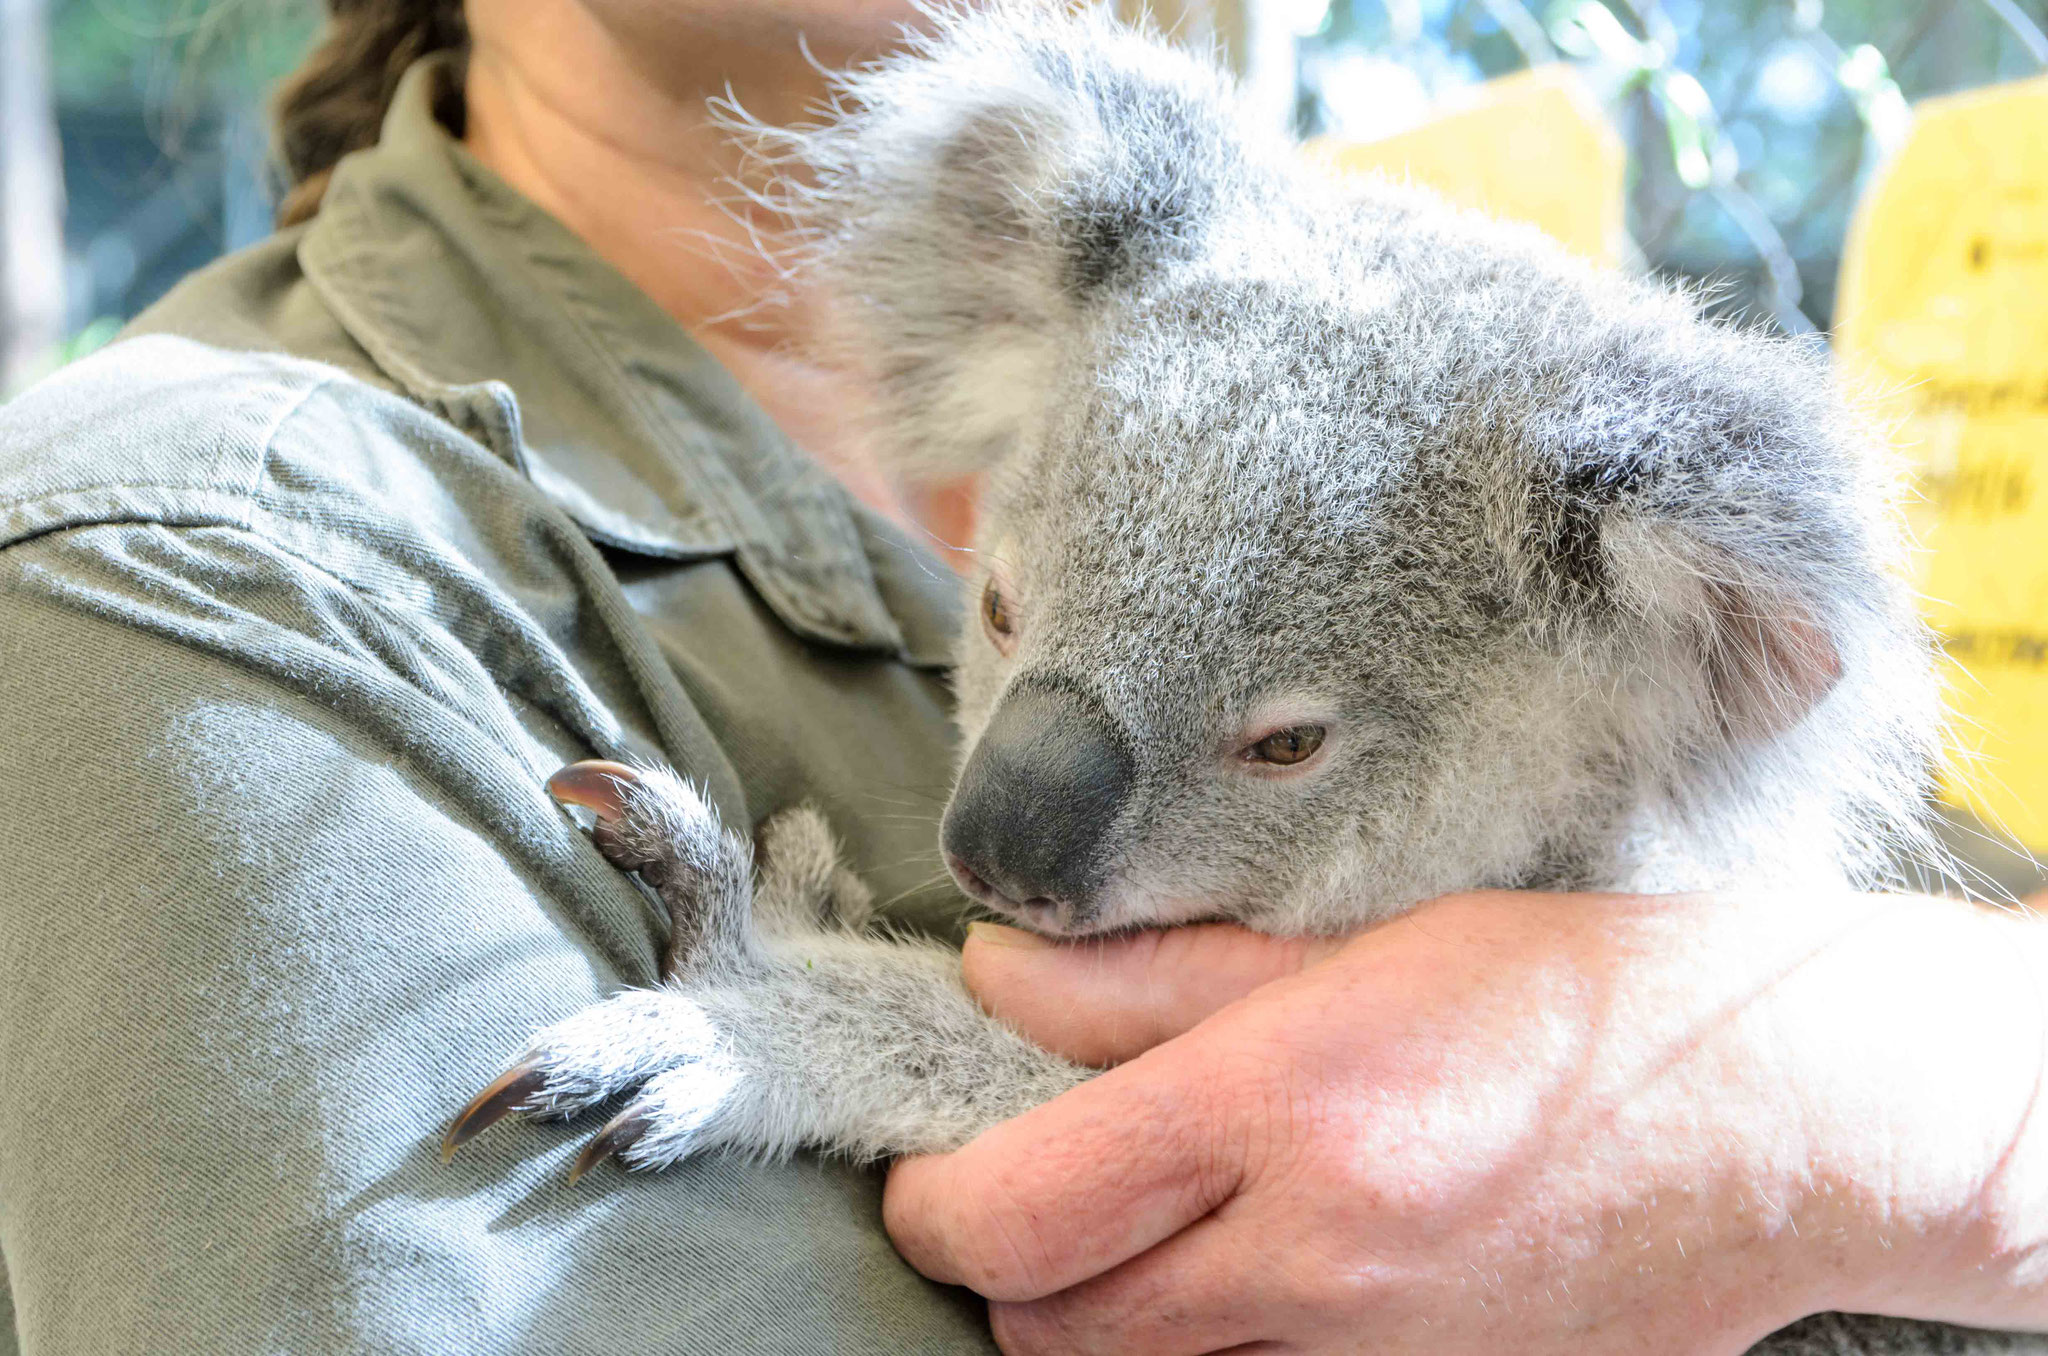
<point>504,1096</point>
<point>596,784</point>
<point>618,1134</point>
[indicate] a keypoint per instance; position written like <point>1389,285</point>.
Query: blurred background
<point>1750,125</point>
<point>132,150</point>
<point>132,144</point>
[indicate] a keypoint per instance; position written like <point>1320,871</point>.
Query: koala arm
<point>780,1025</point>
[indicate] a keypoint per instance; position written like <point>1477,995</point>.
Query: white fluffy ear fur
<point>963,216</point>
<point>1769,660</point>
<point>1764,654</point>
<point>942,291</point>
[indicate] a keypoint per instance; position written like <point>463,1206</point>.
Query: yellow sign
<point>1944,311</point>
<point>1533,146</point>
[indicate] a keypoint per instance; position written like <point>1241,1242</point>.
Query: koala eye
<point>1285,748</point>
<point>997,617</point>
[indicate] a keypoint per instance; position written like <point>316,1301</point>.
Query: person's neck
<point>641,172</point>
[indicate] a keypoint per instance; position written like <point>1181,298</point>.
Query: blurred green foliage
<point>179,64</point>
<point>158,52</point>
<point>160,108</point>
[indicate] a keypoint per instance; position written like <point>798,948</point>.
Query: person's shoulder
<point>164,428</point>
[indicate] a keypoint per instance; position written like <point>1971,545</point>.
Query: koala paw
<point>805,884</point>
<point>678,1046</point>
<point>649,820</point>
<point>662,1042</point>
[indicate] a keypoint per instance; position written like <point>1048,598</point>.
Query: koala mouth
<point>1040,913</point>
<point>1110,912</point>
<point>1044,914</point>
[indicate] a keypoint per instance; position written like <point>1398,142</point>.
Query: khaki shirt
<point>305,587</point>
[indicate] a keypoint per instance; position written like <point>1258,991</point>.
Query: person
<point>492,459</point>
<point>309,582</point>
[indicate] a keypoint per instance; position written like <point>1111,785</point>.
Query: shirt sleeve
<point>277,900</point>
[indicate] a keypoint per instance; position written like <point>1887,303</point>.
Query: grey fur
<point>1587,591</point>
<point>782,1025</point>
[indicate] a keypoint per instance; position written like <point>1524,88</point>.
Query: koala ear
<point>1705,562</point>
<point>976,196</point>
<point>1769,660</point>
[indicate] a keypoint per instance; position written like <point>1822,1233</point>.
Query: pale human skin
<point>1804,1088</point>
<point>600,111</point>
<point>1544,1124</point>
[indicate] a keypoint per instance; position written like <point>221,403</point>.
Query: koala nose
<point>1029,819</point>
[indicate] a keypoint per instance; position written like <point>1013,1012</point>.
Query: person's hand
<point>1509,1122</point>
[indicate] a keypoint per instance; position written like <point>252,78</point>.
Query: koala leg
<point>779,1025</point>
<point>804,885</point>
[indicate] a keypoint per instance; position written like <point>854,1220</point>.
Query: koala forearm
<point>816,1039</point>
<point>872,1048</point>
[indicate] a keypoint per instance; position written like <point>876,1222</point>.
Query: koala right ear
<point>976,195</point>
<point>1731,559</point>
<point>1765,652</point>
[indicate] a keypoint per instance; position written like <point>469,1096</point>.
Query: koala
<point>1337,550</point>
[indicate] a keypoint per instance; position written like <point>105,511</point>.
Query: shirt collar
<point>467,294</point>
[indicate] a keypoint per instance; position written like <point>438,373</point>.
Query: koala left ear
<point>979,195</point>
<point>1707,562</point>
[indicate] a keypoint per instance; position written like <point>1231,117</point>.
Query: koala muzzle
<point>1029,823</point>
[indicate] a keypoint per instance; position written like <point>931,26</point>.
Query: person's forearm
<point>1926,1042</point>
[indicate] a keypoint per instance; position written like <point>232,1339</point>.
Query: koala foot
<point>777,1025</point>
<point>660,1041</point>
<point>650,821</point>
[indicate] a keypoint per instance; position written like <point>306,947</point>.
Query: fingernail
<point>995,934</point>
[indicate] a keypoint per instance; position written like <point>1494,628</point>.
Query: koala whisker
<point>935,879</point>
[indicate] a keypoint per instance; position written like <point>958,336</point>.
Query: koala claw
<point>506,1094</point>
<point>595,784</point>
<point>621,797</point>
<point>618,1135</point>
<point>664,1045</point>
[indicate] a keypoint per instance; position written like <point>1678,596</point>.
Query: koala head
<point>1335,551</point>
